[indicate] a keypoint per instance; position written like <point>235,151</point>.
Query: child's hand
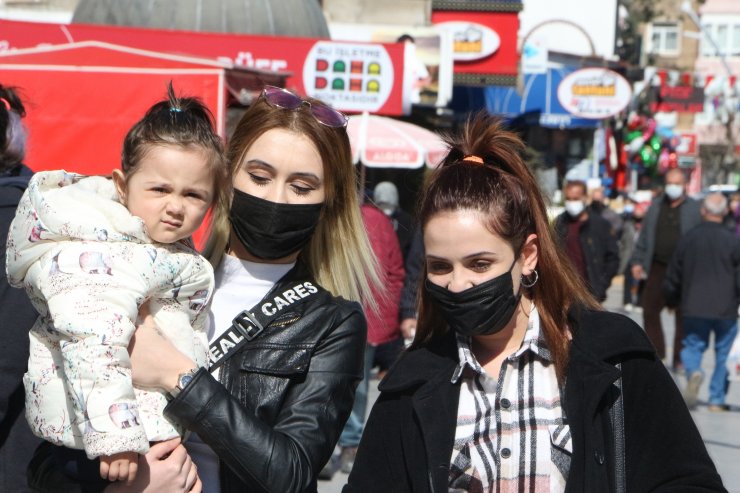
<point>119,467</point>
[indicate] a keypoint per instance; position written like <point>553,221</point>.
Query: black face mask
<point>269,230</point>
<point>481,310</point>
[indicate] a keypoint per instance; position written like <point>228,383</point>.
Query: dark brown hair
<point>183,122</point>
<point>12,133</point>
<point>504,190</point>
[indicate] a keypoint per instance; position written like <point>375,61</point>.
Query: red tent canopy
<point>82,98</point>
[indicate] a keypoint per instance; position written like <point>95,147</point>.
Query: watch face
<point>185,380</point>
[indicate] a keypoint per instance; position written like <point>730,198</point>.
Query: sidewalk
<point>721,431</point>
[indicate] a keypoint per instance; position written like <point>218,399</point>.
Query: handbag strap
<point>291,290</point>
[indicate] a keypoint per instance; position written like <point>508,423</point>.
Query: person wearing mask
<point>517,380</point>
<point>286,327</point>
<point>588,239</point>
<point>18,444</point>
<point>385,196</point>
<point>670,216</point>
<point>703,278</point>
<point>599,206</point>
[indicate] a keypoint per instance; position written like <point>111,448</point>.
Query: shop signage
<point>686,144</point>
<point>684,99</point>
<point>349,75</point>
<point>470,40</point>
<point>353,76</point>
<point>485,45</point>
<point>594,93</point>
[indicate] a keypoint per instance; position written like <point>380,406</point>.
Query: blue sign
<point>538,101</point>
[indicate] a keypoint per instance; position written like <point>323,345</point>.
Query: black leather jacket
<point>283,399</point>
<point>281,404</point>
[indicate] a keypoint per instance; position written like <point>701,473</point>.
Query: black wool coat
<point>408,439</point>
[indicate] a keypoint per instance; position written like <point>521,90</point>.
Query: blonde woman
<point>287,332</point>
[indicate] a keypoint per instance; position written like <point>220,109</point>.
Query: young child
<point>90,251</point>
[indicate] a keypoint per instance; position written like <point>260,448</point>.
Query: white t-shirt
<point>240,285</point>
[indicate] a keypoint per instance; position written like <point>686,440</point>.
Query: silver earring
<point>527,283</point>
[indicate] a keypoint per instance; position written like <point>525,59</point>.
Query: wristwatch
<point>183,379</point>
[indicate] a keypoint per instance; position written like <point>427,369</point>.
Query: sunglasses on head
<point>286,100</point>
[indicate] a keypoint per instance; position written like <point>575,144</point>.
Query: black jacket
<point>17,443</point>
<point>408,439</point>
<point>704,273</point>
<point>283,400</point>
<point>600,250</point>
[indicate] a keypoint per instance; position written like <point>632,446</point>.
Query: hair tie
<point>5,103</point>
<point>473,159</point>
<point>175,110</point>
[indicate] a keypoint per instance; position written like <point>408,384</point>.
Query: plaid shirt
<point>511,434</point>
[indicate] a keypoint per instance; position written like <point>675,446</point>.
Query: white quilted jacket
<point>87,264</point>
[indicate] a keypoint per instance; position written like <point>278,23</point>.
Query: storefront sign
<point>686,144</point>
<point>428,57</point>
<point>684,99</point>
<point>485,45</point>
<point>355,77</point>
<point>470,40</point>
<point>594,93</point>
<point>349,75</point>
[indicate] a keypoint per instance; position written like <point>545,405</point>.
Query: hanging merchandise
<point>650,149</point>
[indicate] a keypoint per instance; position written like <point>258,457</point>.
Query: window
<point>725,35</point>
<point>664,38</point>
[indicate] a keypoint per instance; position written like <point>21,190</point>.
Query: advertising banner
<point>484,45</point>
<point>684,99</point>
<point>429,61</point>
<point>594,93</point>
<point>355,76</point>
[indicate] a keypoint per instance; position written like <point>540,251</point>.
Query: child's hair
<point>12,133</point>
<point>182,122</point>
<point>484,171</point>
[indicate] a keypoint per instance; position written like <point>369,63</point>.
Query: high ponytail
<point>485,171</point>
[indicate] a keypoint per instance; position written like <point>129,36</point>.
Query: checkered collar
<point>533,341</point>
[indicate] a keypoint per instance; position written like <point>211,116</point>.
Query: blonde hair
<point>339,255</point>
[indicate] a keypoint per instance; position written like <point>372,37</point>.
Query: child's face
<point>171,190</point>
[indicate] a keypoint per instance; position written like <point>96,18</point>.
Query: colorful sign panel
<point>684,99</point>
<point>485,45</point>
<point>379,88</point>
<point>594,93</point>
<point>428,57</point>
<point>349,75</point>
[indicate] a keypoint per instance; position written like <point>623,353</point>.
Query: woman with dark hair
<point>286,329</point>
<point>516,380</point>
<point>19,443</point>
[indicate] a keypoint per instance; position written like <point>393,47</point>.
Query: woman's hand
<point>166,468</point>
<point>155,362</point>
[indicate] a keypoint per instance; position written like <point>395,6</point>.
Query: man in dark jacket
<point>589,241</point>
<point>704,277</point>
<point>670,216</point>
<point>17,443</point>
